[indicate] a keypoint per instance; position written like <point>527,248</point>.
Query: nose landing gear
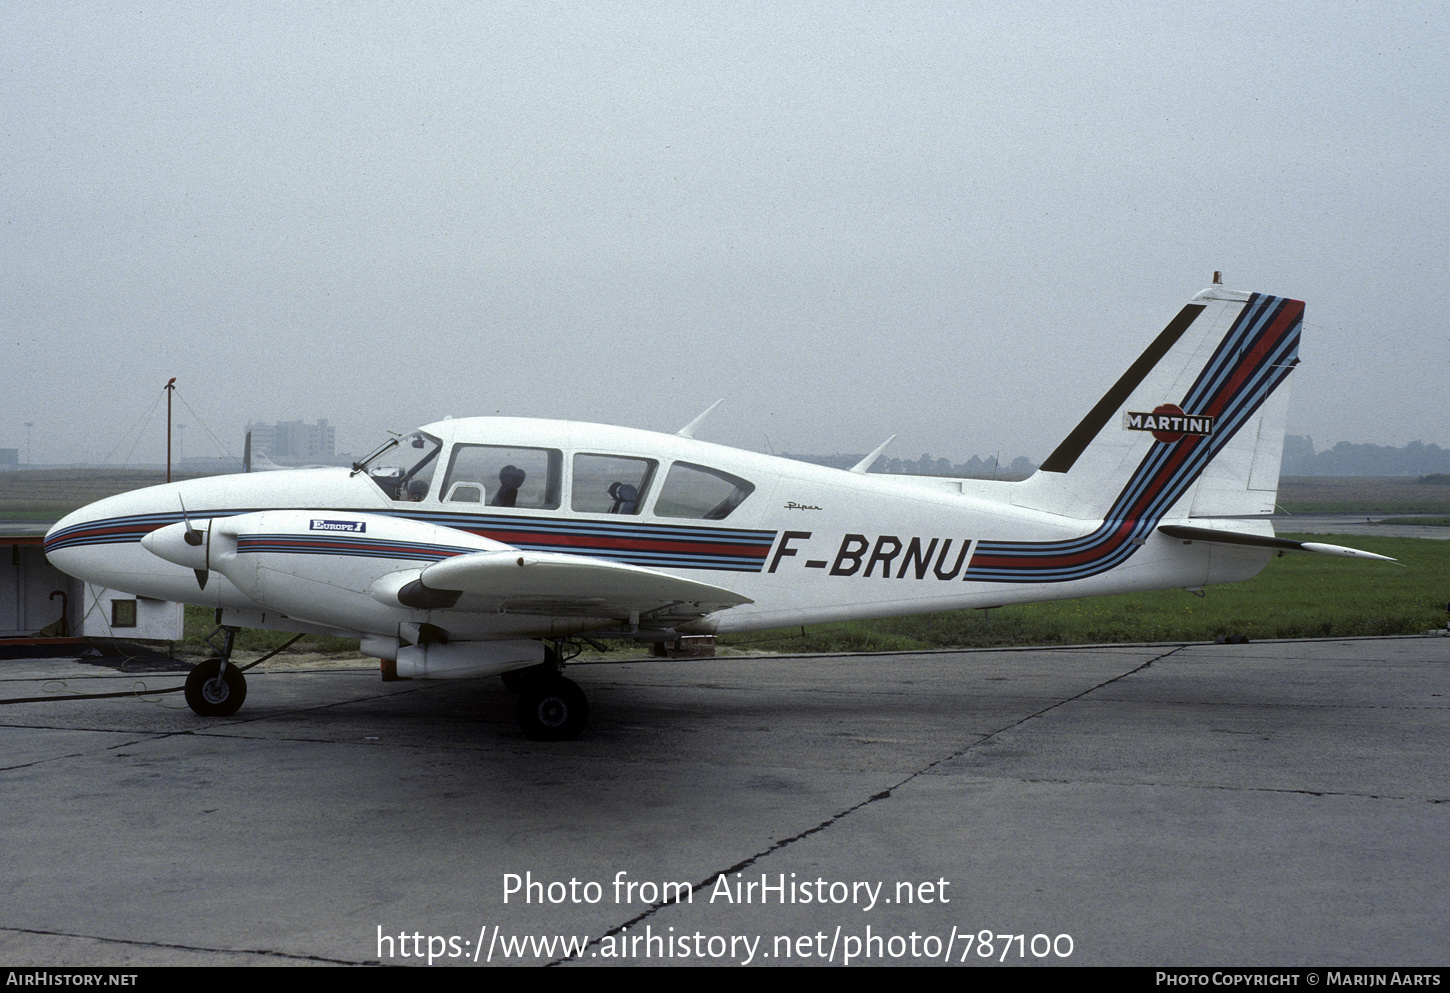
<point>216,688</point>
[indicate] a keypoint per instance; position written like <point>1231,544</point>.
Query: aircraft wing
<point>1222,537</point>
<point>558,584</point>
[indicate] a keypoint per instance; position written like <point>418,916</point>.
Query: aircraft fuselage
<point>807,544</point>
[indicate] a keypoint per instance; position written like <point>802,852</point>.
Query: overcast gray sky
<point>954,222</point>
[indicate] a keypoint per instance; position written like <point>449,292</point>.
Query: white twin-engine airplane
<point>488,545</point>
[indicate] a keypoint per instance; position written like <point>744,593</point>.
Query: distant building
<point>9,459</point>
<point>295,441</point>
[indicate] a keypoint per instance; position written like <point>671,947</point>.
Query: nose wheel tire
<point>553,709</point>
<point>213,693</point>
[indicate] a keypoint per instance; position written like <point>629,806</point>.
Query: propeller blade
<point>194,538</point>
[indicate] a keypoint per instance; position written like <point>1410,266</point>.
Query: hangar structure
<point>41,606</point>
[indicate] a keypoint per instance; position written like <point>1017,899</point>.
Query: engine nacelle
<point>318,566</point>
<point>467,658</point>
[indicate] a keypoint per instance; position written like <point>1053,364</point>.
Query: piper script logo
<point>351,527</point>
<point>1169,423</point>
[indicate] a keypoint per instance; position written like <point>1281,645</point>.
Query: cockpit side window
<point>611,484</point>
<point>499,476</point>
<point>700,493</point>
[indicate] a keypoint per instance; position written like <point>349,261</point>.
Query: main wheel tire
<point>553,710</point>
<point>212,693</point>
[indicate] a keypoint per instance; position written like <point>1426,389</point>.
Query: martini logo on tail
<point>1169,423</point>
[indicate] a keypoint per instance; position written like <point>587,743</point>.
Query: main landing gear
<point>550,707</point>
<point>216,688</point>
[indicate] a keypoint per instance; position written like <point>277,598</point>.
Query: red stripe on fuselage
<point>623,544</point>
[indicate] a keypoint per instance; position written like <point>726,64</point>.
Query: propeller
<point>195,539</point>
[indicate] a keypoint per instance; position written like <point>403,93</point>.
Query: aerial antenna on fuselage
<point>688,431</point>
<point>870,460</point>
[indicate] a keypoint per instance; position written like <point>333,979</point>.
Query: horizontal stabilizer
<point>1185,533</point>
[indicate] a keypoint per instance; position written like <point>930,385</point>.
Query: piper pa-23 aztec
<point>490,545</point>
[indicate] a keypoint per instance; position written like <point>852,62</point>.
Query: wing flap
<point>559,584</point>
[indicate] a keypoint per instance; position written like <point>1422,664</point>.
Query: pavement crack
<point>885,794</point>
<point>207,949</point>
<point>709,880</point>
<point>983,739</point>
<point>1224,788</point>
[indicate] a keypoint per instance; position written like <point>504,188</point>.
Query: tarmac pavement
<point>1278,803</point>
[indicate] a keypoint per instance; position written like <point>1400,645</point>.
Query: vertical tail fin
<point>1195,427</point>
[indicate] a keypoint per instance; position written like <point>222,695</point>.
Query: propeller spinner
<point>184,545</point>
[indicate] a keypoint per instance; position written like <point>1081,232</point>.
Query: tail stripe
<point>1254,357</point>
<point>1248,334</point>
<point>1072,446</point>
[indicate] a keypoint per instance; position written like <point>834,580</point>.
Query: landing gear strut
<point>216,688</point>
<point>551,707</point>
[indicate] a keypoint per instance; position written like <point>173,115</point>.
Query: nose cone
<point>100,543</point>
<point>78,543</point>
<point>64,539</point>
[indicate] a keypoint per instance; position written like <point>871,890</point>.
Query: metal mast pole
<point>170,388</point>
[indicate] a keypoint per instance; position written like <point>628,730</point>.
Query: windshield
<point>403,467</point>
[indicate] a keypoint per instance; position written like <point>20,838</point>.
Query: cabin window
<point>611,484</point>
<point>700,493</point>
<point>499,476</point>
